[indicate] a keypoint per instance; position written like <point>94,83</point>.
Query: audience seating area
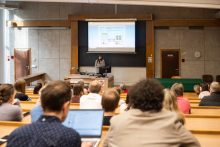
<point>203,122</point>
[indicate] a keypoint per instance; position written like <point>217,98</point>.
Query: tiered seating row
<point>203,122</point>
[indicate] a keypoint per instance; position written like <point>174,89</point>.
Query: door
<point>170,63</point>
<point>21,62</point>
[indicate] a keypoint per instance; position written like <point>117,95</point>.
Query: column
<point>2,47</point>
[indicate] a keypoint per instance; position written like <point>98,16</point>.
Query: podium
<point>107,82</point>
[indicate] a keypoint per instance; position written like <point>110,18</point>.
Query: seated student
<point>10,109</point>
<point>126,106</point>
<point>170,104</point>
<point>77,93</point>
<point>123,88</point>
<point>93,99</point>
<point>118,89</point>
<point>20,85</point>
<point>214,98</point>
<point>204,90</point>
<point>37,88</point>
<point>183,103</point>
<point>110,99</point>
<point>146,124</point>
<point>83,86</point>
<point>68,83</point>
<point>48,130</point>
<point>37,111</point>
<point>197,89</point>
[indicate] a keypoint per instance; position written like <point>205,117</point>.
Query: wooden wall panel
<point>82,17</point>
<point>182,23</point>
<point>150,49</point>
<point>43,23</point>
<point>74,46</point>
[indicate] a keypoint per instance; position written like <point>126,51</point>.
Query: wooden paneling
<point>40,23</point>
<point>149,49</point>
<point>82,17</point>
<point>182,23</point>
<point>74,46</point>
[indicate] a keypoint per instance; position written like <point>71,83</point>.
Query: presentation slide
<point>86,123</point>
<point>111,36</point>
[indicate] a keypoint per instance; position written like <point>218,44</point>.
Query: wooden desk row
<point>27,106</point>
<point>205,137</point>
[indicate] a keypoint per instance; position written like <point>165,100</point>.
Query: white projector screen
<point>111,36</point>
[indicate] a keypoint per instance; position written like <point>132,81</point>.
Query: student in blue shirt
<point>48,130</point>
<point>36,112</point>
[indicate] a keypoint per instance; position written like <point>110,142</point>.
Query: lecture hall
<point>109,73</point>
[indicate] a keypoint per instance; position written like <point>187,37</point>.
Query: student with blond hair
<point>197,89</point>
<point>20,85</point>
<point>170,104</point>
<point>183,103</point>
<point>93,99</point>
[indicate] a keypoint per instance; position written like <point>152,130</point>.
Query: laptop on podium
<point>87,122</point>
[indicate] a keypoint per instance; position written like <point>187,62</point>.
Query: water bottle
<point>86,72</point>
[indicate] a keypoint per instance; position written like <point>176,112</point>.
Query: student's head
<point>100,57</point>
<point>197,88</point>
<point>170,103</point>
<point>37,88</point>
<point>55,98</point>
<point>20,85</point>
<point>122,86</point>
<point>78,90</point>
<point>178,89</point>
<point>42,88</point>
<point>6,93</point>
<point>204,86</point>
<point>81,83</point>
<point>68,83</point>
<point>110,100</point>
<point>146,95</point>
<point>95,87</point>
<point>118,89</point>
<point>215,87</point>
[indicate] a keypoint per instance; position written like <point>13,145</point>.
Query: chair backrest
<point>218,78</point>
<point>176,77</point>
<point>207,78</point>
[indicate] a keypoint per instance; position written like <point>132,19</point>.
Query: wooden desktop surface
<point>206,139</point>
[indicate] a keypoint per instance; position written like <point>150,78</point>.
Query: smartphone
<point>3,139</point>
<point>26,114</point>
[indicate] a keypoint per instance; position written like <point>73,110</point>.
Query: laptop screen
<point>87,123</point>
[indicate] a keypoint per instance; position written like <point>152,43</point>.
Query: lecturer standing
<point>100,62</point>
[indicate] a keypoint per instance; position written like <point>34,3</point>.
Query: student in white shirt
<point>93,99</point>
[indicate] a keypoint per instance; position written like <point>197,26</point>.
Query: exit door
<point>170,63</point>
<point>22,62</point>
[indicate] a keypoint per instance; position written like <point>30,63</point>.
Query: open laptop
<point>87,122</point>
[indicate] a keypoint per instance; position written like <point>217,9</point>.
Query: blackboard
<point>113,59</point>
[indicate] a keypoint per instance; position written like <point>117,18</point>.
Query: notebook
<point>87,122</point>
